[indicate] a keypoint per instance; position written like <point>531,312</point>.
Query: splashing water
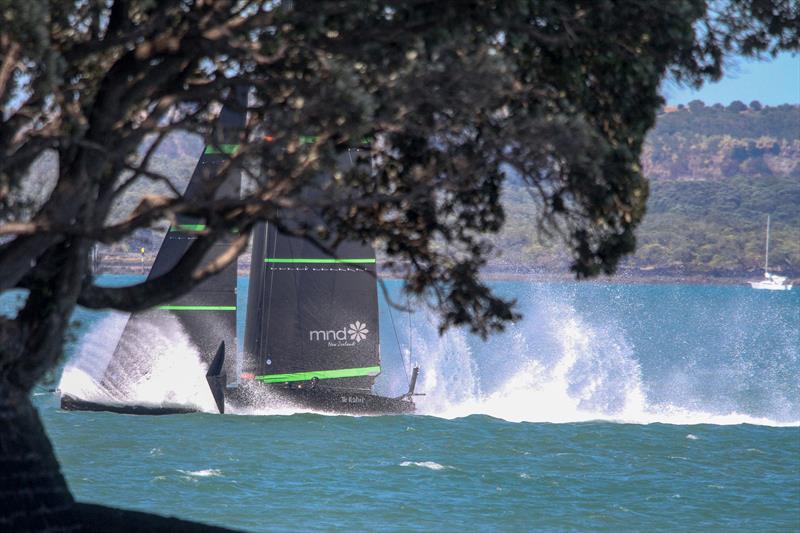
<point>554,366</point>
<point>581,375</point>
<point>166,368</point>
<point>559,364</point>
<point>263,401</point>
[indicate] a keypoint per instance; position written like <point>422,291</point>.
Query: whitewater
<point>563,362</point>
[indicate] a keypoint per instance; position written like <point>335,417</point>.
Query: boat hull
<point>71,403</point>
<point>334,401</point>
<point>345,401</point>
<point>770,286</point>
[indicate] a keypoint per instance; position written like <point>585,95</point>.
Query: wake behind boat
<point>311,331</point>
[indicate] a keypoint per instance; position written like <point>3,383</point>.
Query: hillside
<point>715,174</point>
<point>702,142</point>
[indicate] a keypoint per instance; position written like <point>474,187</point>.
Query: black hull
<point>333,401</point>
<point>71,403</point>
<point>340,401</point>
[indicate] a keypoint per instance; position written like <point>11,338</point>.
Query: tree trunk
<point>33,493</point>
<point>35,496</point>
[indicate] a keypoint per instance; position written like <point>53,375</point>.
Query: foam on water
<point>166,370</point>
<point>261,401</point>
<point>553,366</point>
<point>430,465</point>
<point>210,472</point>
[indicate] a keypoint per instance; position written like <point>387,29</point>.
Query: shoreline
<point>137,265</point>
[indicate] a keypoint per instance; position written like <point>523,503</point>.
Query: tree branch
<point>8,66</point>
<point>181,278</point>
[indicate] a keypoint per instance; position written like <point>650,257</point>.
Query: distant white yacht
<point>771,282</point>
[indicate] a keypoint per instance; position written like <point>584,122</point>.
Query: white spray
<point>553,366</point>
<point>166,370</point>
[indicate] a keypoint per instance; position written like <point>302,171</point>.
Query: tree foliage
<point>737,106</point>
<point>450,94</point>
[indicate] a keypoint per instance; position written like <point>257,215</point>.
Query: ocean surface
<point>608,407</point>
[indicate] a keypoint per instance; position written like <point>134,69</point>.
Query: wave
<point>209,472</point>
<point>166,370</point>
<point>556,366</point>
<point>430,465</point>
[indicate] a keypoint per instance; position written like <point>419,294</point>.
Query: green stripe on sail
<point>313,260</point>
<point>188,227</point>
<point>229,149</point>
<point>192,228</point>
<point>311,139</point>
<point>198,307</point>
<point>321,374</point>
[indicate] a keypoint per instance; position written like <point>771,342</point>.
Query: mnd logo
<point>347,336</point>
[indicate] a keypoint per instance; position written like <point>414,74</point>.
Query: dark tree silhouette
<point>737,106</point>
<point>695,106</point>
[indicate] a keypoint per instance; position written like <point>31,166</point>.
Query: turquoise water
<point>608,407</point>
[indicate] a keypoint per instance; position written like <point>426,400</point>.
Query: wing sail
<point>206,315</point>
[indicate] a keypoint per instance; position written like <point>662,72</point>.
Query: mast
<point>255,302</point>
<point>766,253</point>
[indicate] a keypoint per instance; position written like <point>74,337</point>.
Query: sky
<point>771,82</point>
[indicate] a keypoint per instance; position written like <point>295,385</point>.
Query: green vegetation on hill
<point>719,227</point>
<point>707,228</point>
<point>716,142</point>
<point>716,173</point>
<point>781,122</point>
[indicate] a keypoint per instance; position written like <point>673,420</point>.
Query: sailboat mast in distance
<point>766,251</point>
<point>772,282</point>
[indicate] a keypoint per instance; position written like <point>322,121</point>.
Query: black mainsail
<point>311,315</point>
<point>207,314</point>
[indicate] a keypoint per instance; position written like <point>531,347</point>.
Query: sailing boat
<point>771,282</point>
<point>312,325</point>
<point>311,332</point>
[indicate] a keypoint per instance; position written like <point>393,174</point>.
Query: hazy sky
<point>775,81</point>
